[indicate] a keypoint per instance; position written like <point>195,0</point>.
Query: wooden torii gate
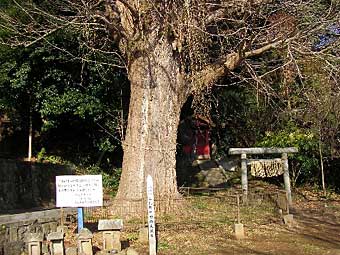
<point>265,150</point>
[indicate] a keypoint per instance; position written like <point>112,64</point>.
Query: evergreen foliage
<point>78,105</point>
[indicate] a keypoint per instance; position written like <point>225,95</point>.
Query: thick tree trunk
<point>150,142</point>
<point>157,94</point>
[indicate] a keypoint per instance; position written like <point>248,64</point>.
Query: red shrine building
<point>194,135</point>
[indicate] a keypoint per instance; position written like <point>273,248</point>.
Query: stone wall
<point>14,228</point>
<point>27,185</point>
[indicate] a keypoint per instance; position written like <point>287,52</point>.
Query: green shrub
<point>303,165</point>
<point>110,180</point>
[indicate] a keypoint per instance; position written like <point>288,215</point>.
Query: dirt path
<point>314,234</point>
<point>316,231</point>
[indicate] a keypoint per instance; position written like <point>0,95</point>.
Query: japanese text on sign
<point>151,216</point>
<point>79,190</point>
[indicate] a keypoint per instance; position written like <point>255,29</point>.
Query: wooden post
<point>238,209</point>
<point>244,177</point>
<point>62,216</point>
<point>286,178</point>
<point>151,216</point>
<point>238,227</point>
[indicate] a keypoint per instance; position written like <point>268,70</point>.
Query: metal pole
<point>80,219</point>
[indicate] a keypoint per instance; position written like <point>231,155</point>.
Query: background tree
<point>297,103</point>
<point>86,101</point>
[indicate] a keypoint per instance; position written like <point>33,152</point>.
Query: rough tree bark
<point>150,143</point>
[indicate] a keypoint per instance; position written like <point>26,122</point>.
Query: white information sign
<point>151,216</point>
<point>79,190</point>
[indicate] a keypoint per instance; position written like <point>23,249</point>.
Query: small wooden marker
<point>151,216</point>
<point>238,227</point>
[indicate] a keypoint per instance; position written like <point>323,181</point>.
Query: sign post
<point>79,191</point>
<point>151,216</point>
<point>80,218</point>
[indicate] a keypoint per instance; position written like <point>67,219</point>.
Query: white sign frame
<point>79,191</point>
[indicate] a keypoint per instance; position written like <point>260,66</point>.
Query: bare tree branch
<point>230,62</point>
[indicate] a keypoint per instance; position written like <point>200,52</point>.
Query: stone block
<point>57,247</point>
<point>71,251</point>
<point>85,242</point>
<point>14,248</point>
<point>85,247</point>
<point>34,237</point>
<point>288,220</point>
<point>85,234</point>
<point>143,235</point>
<point>55,236</point>
<point>34,241</point>
<point>110,224</point>
<point>111,241</point>
<point>56,243</point>
<point>239,231</point>
<point>34,248</point>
